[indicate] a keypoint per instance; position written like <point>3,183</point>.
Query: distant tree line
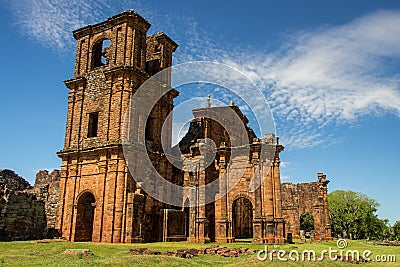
<point>353,215</point>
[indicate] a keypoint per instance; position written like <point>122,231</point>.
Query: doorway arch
<point>242,218</point>
<point>85,217</point>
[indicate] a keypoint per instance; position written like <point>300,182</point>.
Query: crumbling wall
<point>306,197</point>
<point>46,188</point>
<point>22,216</point>
<point>9,179</point>
<point>28,212</point>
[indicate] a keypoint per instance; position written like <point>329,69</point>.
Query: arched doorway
<point>242,218</point>
<point>84,217</point>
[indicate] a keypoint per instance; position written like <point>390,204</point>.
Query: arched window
<point>100,53</point>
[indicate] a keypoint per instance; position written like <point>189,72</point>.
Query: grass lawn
<point>32,253</point>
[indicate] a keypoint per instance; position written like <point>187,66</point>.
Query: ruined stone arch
<point>244,195</point>
<point>84,192</point>
<point>101,51</point>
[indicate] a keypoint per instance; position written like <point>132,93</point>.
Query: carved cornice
<point>67,151</point>
<point>128,16</point>
<point>164,39</point>
<point>75,82</point>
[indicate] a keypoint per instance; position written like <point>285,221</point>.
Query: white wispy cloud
<point>285,178</point>
<point>285,164</point>
<point>318,79</point>
<point>328,76</point>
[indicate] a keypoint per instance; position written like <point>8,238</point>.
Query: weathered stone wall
<point>306,197</point>
<point>226,218</point>
<point>22,215</point>
<point>95,164</point>
<point>96,186</point>
<point>9,179</point>
<point>46,188</point>
<point>28,212</point>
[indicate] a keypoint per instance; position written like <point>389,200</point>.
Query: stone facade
<point>100,201</point>
<point>96,186</point>
<point>307,197</point>
<point>239,212</point>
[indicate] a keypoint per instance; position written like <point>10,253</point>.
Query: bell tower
<point>113,58</point>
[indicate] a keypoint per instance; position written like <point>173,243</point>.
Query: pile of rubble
<point>351,259</point>
<point>192,252</point>
<point>388,243</point>
<point>227,252</point>
<point>143,251</point>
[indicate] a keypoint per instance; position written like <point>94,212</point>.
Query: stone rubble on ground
<point>192,252</point>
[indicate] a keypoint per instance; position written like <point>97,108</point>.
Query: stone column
<point>279,236</point>
<point>268,204</point>
<point>201,220</point>
<point>258,219</point>
<point>119,201</point>
<point>129,217</point>
<point>326,226</point>
<point>189,182</point>
<point>222,223</point>
<point>61,198</point>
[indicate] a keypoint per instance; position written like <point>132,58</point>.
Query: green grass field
<point>32,253</point>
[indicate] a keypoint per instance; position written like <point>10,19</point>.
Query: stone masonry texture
<point>46,189</point>
<point>94,196</point>
<point>101,200</point>
<point>9,179</point>
<point>307,197</point>
<point>22,215</point>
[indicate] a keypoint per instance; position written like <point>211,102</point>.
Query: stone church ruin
<point>96,197</point>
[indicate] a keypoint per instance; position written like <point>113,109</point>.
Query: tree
<point>352,215</point>
<point>372,227</point>
<point>396,230</point>
<point>306,222</point>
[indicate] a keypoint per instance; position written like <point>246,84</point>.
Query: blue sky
<point>330,71</point>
